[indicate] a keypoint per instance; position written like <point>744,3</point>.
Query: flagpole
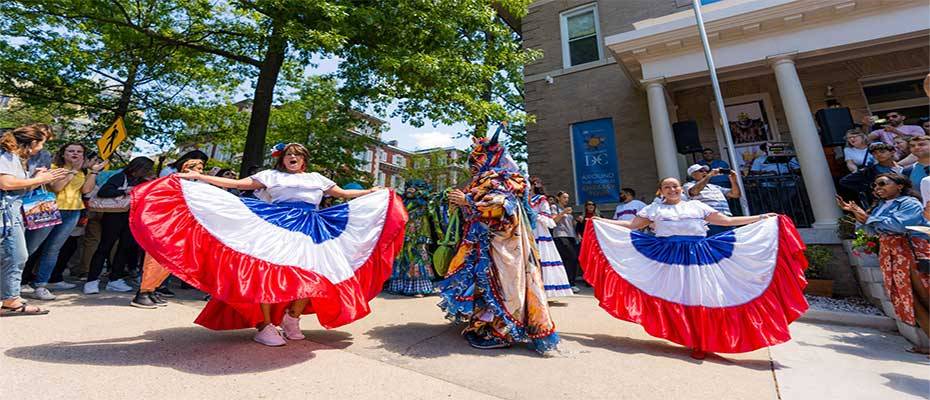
<point>721,108</point>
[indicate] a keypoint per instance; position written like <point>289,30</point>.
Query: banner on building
<point>594,152</point>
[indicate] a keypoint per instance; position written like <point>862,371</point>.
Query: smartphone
<point>725,171</point>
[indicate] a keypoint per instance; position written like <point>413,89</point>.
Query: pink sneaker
<point>269,336</point>
<point>291,328</point>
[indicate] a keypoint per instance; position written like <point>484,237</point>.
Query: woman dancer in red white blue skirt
<point>733,292</point>
<point>266,261</point>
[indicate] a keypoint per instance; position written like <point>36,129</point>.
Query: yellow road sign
<point>111,139</point>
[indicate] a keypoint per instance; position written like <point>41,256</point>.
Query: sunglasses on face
<point>881,184</point>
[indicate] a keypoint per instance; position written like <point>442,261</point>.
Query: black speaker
<point>686,137</point>
<point>833,123</point>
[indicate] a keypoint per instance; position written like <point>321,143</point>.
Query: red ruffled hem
<point>759,323</point>
<point>164,226</point>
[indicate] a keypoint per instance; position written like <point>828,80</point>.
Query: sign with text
<point>597,176</point>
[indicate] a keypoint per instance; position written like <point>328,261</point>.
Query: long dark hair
<point>538,187</point>
<point>139,167</point>
<point>907,188</point>
<point>60,154</point>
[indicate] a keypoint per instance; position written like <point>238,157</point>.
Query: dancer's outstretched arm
<point>337,191</point>
<point>723,220</point>
<point>241,184</point>
<point>637,222</point>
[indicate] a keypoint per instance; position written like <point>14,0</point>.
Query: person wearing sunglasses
<point>899,249</point>
<point>860,181</point>
<point>895,127</point>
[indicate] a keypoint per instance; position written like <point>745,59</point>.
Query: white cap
<point>697,167</point>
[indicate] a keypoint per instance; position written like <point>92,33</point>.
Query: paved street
<point>99,347</point>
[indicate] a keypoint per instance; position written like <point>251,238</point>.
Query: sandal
<point>23,309</point>
<point>917,350</point>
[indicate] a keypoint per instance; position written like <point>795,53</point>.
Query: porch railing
<point>783,194</point>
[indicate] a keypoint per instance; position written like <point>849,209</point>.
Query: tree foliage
<point>52,57</point>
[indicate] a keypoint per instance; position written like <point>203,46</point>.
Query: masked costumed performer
<point>266,261</point>
<point>494,283</point>
<point>413,269</point>
<point>732,292</point>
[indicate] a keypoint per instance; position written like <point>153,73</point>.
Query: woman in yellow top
<point>69,194</point>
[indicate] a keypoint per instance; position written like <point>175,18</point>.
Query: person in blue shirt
<point>761,166</point>
<point>899,250</point>
<point>920,148</point>
<point>709,159</point>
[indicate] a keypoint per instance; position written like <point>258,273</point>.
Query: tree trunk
<point>253,154</point>
<point>122,108</point>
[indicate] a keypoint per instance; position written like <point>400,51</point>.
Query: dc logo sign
<point>594,160</point>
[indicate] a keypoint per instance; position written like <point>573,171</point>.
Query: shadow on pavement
<point>658,348</point>
<point>868,344</point>
<point>192,350</point>
<point>441,340</point>
<point>907,384</point>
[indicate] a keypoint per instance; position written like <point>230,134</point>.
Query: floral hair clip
<point>278,150</point>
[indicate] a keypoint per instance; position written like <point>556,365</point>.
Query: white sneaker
<point>92,287</point>
<point>269,336</point>
<point>42,293</point>
<point>61,285</point>
<point>26,289</point>
<point>291,328</point>
<point>118,285</point>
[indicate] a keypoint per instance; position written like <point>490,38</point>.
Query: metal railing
<point>783,194</point>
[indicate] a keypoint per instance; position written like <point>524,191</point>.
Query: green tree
<point>430,56</point>
<point>53,60</point>
<point>438,169</point>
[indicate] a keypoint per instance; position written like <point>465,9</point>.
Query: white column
<point>814,167</point>
<point>663,139</point>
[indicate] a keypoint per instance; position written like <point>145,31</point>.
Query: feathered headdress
<point>488,154</point>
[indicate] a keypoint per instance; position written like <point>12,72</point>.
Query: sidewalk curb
<point>850,319</point>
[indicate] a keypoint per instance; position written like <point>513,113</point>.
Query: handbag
<point>40,209</point>
<point>110,204</point>
<point>442,257</point>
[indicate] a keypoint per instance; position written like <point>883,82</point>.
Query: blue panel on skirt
<point>302,217</point>
<point>685,250</point>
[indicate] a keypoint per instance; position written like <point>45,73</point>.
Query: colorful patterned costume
<point>494,282</point>
<point>413,269</point>
<point>554,277</point>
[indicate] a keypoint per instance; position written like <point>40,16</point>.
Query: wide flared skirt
<point>245,252</point>
<point>555,281</point>
<point>729,293</point>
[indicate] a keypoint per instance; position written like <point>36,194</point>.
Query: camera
<point>724,171</point>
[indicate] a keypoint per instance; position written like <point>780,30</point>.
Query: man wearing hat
<point>715,196</point>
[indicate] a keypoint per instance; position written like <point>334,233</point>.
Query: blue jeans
<point>55,237</point>
<point>13,252</point>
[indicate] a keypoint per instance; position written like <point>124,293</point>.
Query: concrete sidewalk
<point>98,346</point>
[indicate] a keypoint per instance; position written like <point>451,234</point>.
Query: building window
<point>382,155</point>
<point>397,182</point>
<point>400,161</point>
<point>381,178</point>
<point>581,39</point>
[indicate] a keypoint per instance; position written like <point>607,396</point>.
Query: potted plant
<point>818,283</point>
<point>864,256</point>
